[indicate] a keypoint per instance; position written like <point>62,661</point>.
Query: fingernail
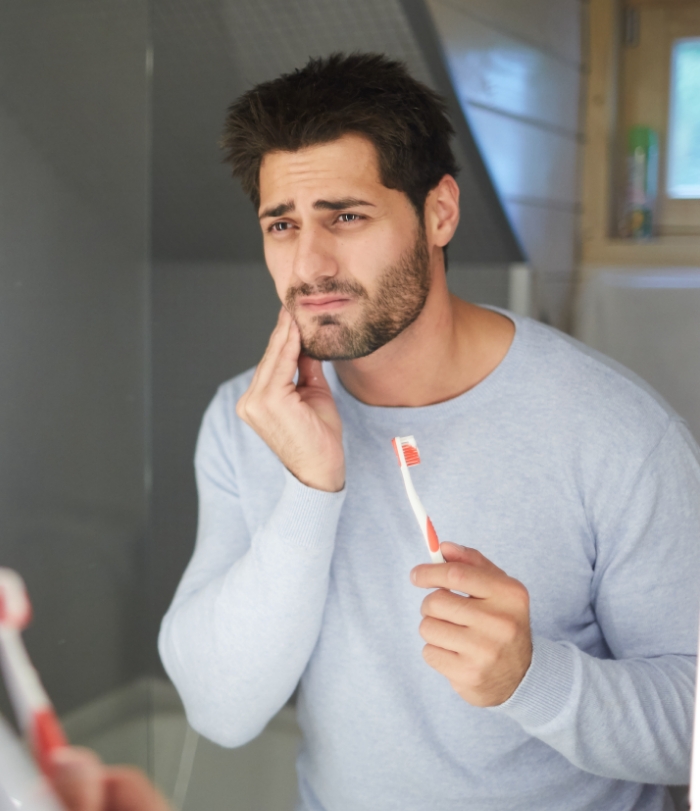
<point>414,576</point>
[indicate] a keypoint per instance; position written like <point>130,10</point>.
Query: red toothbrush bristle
<point>396,451</point>
<point>411,455</point>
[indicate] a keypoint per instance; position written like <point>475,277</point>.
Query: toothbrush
<point>408,456</point>
<point>36,716</point>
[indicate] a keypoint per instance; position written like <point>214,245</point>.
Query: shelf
<point>659,252</point>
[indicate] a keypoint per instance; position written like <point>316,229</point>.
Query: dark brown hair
<point>368,94</point>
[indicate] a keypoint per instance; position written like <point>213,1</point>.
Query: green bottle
<point>642,181</point>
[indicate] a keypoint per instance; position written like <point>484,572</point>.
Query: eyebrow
<point>320,205</point>
<point>339,205</point>
<point>277,211</point>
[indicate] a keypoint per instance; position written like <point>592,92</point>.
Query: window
<point>660,89</point>
<point>683,172</point>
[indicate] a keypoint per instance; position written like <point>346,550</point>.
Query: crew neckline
<point>477,394</point>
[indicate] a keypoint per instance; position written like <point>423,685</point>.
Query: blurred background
<point>132,282</point>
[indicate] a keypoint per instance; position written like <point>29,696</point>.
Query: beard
<point>401,295</point>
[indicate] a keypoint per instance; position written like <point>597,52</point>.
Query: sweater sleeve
<point>248,610</point>
<point>630,717</point>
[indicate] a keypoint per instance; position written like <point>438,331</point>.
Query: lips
<point>316,303</point>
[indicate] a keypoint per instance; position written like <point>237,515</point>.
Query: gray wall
<point>73,243</point>
<point>517,69</point>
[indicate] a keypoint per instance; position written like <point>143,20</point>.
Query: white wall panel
<point>524,160</point>
<point>516,67</point>
<point>548,235</point>
<point>505,73</point>
<point>553,25</point>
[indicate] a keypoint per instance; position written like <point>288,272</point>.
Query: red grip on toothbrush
<point>47,735</point>
<point>433,542</point>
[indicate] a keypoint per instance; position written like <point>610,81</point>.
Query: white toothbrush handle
<point>25,690</point>
<point>420,513</point>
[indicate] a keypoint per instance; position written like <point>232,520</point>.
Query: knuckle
<point>454,575</point>
<point>488,656</point>
<point>430,603</point>
<point>509,629</point>
<point>479,558</point>
<point>519,594</point>
<point>255,409</point>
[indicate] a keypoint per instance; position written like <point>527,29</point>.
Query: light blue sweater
<point>566,472</point>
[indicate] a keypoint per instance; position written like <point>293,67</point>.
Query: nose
<point>314,258</point>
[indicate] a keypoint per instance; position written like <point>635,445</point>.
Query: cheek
<point>277,268</point>
<point>365,259</point>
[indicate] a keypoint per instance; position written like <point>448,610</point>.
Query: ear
<point>442,212</point>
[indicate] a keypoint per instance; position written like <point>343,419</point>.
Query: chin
<point>344,344</point>
<point>331,341</point>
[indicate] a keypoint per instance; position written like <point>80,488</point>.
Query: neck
<point>450,348</point>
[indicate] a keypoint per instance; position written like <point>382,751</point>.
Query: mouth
<point>317,304</point>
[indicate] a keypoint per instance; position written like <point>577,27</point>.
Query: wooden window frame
<point>602,149</point>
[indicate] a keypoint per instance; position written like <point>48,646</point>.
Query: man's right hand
<point>300,423</point>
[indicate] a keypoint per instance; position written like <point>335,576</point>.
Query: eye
<point>350,217</point>
<point>279,227</point>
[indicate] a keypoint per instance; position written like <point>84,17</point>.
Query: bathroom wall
<point>73,361</point>
<point>517,69</point>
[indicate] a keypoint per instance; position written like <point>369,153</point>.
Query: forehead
<point>348,164</point>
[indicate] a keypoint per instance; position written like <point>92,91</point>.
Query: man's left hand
<point>481,643</point>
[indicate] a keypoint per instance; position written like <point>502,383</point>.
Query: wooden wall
<point>517,68</point>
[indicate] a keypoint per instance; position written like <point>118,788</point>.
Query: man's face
<point>348,256</point>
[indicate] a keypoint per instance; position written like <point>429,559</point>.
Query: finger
<point>472,617</point>
<point>475,580</point>
<point>443,634</point>
<point>77,778</point>
<point>278,339</point>
<point>311,374</point>
<point>287,363</point>
<point>274,338</point>
<point>453,552</point>
<point>129,789</point>
<point>446,605</point>
<point>267,369</point>
<point>444,661</point>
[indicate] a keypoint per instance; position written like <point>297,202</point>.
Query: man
<point>553,668</point>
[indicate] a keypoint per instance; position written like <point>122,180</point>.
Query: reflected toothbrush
<point>407,453</point>
<point>36,716</point>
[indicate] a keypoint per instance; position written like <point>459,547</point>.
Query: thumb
<point>77,778</point>
<point>311,373</point>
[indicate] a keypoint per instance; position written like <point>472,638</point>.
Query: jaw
<point>325,337</point>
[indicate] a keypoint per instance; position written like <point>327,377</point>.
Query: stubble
<point>401,295</point>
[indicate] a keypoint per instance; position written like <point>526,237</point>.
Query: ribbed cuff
<point>547,687</point>
<point>304,516</point>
